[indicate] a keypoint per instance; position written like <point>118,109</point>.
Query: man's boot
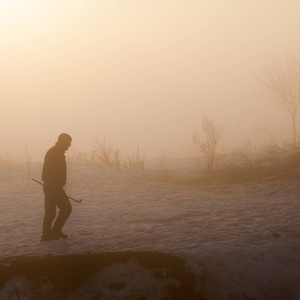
<point>58,233</point>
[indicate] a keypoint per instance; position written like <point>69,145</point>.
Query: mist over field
<point>140,73</point>
<point>184,167</point>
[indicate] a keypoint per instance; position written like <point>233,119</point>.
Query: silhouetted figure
<point>54,176</point>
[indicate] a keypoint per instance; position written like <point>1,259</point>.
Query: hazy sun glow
<point>8,5</point>
<point>138,72</point>
<point>19,15</point>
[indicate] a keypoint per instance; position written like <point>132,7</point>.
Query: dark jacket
<point>54,172</point>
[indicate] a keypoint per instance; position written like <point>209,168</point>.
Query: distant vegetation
<point>247,162</point>
<point>104,155</point>
<point>244,163</point>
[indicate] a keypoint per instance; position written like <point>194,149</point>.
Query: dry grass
<point>136,160</point>
<point>285,166</point>
<point>165,167</point>
<point>104,155</point>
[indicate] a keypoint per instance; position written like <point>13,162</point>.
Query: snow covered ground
<point>241,240</point>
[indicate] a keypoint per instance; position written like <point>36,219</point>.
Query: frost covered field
<point>238,240</point>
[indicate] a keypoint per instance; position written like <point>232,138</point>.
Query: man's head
<point>64,141</point>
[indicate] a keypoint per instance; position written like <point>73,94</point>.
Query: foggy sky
<point>139,72</point>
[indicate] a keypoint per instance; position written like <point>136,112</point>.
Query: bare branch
<point>283,80</point>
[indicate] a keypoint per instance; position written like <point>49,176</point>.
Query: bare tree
<point>283,80</point>
<point>208,144</point>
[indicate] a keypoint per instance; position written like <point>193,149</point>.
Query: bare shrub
<point>102,153</point>
<point>105,155</point>
<point>82,157</point>
<point>136,160</point>
<point>272,147</point>
<point>207,145</point>
<point>165,165</point>
<point>244,152</point>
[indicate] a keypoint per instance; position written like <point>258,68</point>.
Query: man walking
<point>54,175</point>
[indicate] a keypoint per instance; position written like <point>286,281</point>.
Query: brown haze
<point>139,72</point>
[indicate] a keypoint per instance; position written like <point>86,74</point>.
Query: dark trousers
<point>55,196</point>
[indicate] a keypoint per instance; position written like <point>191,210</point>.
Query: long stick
<point>78,201</point>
